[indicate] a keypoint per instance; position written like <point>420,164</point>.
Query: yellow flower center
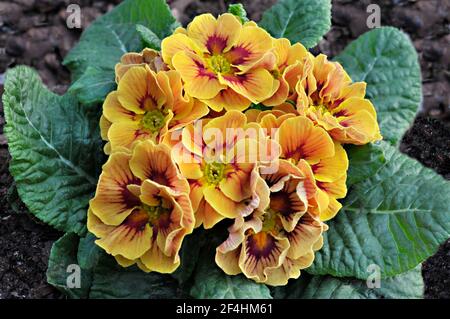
<point>153,121</point>
<point>276,74</point>
<point>320,109</point>
<point>270,221</point>
<point>214,172</point>
<point>155,213</point>
<point>219,64</point>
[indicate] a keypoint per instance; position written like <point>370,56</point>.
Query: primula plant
<point>223,159</point>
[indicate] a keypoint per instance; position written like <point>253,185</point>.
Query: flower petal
<point>236,184</point>
<point>199,81</point>
<point>300,139</point>
<point>138,90</point>
<point>122,135</point>
<point>131,239</point>
<point>332,168</point>
<point>333,208</point>
<point>113,110</point>
<point>175,43</point>
<point>154,162</point>
<point>215,36</point>
<point>96,226</point>
<point>307,232</point>
<point>253,43</point>
<point>228,99</point>
<point>221,203</point>
<point>261,252</point>
<point>207,216</point>
<point>256,85</point>
<point>113,201</point>
<point>155,260</point>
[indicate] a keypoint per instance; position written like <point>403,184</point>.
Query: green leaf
<point>304,21</point>
<point>88,253</point>
<point>365,161</point>
<point>386,59</point>
<point>408,285</point>
<point>101,276</point>
<point>395,219</point>
<point>62,255</point>
<point>102,45</point>
<point>238,10</point>
<point>149,39</point>
<point>189,255</point>
<point>112,281</point>
<point>56,150</point>
<point>210,282</point>
<point>93,85</point>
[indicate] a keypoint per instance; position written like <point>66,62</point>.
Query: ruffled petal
<point>131,239</point>
<point>300,139</point>
<point>114,200</point>
<point>215,36</point>
<point>154,162</point>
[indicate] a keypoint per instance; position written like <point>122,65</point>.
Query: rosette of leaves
<point>395,215</point>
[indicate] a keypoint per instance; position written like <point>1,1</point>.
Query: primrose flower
<point>310,147</point>
<point>287,57</point>
<point>148,105</point>
<point>222,62</point>
<point>327,96</point>
<point>141,210</point>
<point>219,160</point>
<point>273,244</point>
<point>148,57</point>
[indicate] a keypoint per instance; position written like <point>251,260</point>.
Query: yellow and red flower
<point>287,58</point>
<point>274,243</point>
<point>141,210</point>
<point>327,96</point>
<point>312,149</point>
<point>148,105</point>
<point>222,62</point>
<point>219,159</point>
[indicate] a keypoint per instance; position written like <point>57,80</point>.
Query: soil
<point>33,32</point>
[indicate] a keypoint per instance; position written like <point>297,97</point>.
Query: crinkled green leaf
<point>386,59</point>
<point>365,161</point>
<point>238,10</point>
<point>62,255</point>
<point>55,147</point>
<point>408,285</point>
<point>109,280</point>
<point>394,219</point>
<point>210,282</point>
<point>304,21</point>
<point>93,85</point>
<point>105,41</point>
<point>148,37</point>
<point>101,276</point>
<point>88,253</point>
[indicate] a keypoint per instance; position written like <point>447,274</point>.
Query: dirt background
<point>33,32</point>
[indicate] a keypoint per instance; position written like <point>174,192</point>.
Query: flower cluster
<point>226,124</point>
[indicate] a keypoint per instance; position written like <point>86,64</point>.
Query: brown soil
<point>33,32</point>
